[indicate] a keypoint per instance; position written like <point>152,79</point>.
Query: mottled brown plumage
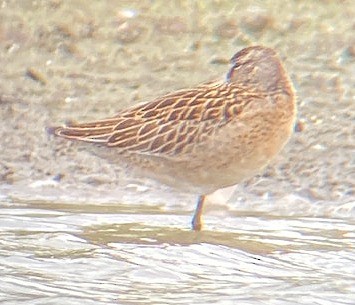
<point>203,138</point>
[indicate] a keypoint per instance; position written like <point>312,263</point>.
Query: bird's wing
<point>167,125</point>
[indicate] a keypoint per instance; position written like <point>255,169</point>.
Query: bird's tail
<point>94,132</point>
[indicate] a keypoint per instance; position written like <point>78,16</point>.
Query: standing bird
<point>204,138</point>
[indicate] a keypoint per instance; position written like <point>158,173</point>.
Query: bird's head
<point>258,68</point>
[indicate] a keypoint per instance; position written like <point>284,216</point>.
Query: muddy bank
<point>73,60</point>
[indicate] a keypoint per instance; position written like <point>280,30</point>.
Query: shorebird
<point>205,138</point>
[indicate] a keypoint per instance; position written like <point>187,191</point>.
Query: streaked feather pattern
<point>207,137</point>
<point>166,125</point>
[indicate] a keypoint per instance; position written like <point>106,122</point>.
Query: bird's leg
<point>197,218</point>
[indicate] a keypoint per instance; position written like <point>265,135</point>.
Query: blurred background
<point>74,229</point>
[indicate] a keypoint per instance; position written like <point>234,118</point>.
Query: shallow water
<point>54,254</point>
<point>71,233</point>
